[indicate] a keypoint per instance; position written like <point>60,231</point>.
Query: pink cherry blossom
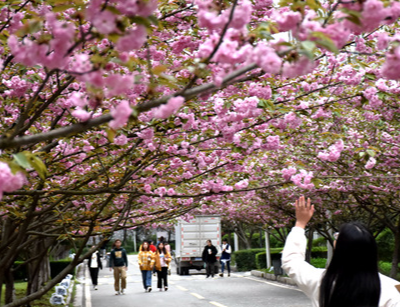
<point>8,181</point>
<point>166,110</point>
<point>133,40</point>
<point>370,163</point>
<point>120,115</point>
<point>104,22</point>
<point>81,114</point>
<point>288,20</point>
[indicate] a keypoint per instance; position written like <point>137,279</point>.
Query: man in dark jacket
<point>209,257</point>
<point>119,262</point>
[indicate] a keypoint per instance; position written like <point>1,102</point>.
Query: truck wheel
<point>186,272</point>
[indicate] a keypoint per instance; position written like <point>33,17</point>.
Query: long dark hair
<point>161,250</point>
<point>351,279</point>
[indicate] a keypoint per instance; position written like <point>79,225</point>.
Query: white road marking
<point>217,304</point>
<point>274,284</point>
<point>182,288</point>
<point>197,295</point>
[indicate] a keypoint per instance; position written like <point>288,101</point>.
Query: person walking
<point>162,260</point>
<point>146,261</point>
<point>351,278</point>
<point>119,263</point>
<point>209,257</point>
<point>225,258</point>
<point>94,265</point>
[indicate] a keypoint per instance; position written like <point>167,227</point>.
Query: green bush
<point>320,242</point>
<point>274,242</point>
<point>385,242</point>
<point>318,262</point>
<point>246,259</point>
<point>261,260</point>
<point>21,272</point>
<point>319,252</point>
<point>57,266</point>
<point>250,259</point>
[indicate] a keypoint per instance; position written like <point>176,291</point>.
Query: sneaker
<point>166,288</point>
<point>159,289</point>
<point>229,274</point>
<point>221,274</point>
<point>123,291</point>
<point>117,293</point>
<point>95,287</point>
<point>208,276</point>
<point>149,289</point>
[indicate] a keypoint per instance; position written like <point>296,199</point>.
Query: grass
<point>20,292</point>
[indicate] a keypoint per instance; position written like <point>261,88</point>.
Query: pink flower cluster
<point>370,163</point>
<point>134,39</point>
<point>8,181</point>
<point>290,121</point>
<point>120,115</point>
<point>303,179</point>
<point>287,173</point>
<point>288,20</point>
<point>243,184</point>
<point>300,67</point>
<point>51,55</point>
<point>213,21</point>
<point>166,110</point>
<point>391,68</point>
<point>333,153</point>
<point>273,143</point>
<point>216,186</point>
<point>266,58</point>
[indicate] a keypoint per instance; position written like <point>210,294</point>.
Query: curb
<point>268,276</point>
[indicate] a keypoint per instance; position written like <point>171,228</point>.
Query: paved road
<point>241,289</point>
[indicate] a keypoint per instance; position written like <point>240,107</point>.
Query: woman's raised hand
<point>304,211</point>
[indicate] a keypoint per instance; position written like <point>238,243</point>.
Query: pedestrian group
<point>154,260</point>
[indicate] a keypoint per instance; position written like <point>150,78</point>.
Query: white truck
<point>191,238</point>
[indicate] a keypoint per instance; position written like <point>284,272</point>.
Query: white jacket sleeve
<point>307,277</point>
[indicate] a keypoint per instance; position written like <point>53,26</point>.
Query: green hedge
<point>250,259</point>
<point>318,262</point>
<point>319,252</point>
<point>56,267</point>
<point>246,259</point>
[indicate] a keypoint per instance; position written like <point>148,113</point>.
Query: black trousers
<point>94,274</point>
<point>210,268</point>
<point>162,276</point>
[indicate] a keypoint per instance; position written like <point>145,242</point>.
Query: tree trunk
<point>9,294</point>
<point>396,253</point>
<point>38,269</point>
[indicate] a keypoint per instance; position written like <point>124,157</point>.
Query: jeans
<point>162,276</point>
<point>146,275</point>
<point>210,268</point>
<point>228,266</point>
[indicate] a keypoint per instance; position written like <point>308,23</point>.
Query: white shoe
<point>95,287</point>
<point>123,291</point>
<point>117,293</point>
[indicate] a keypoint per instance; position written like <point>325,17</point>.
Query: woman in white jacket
<point>351,279</point>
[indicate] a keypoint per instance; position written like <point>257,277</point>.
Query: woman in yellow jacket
<point>162,260</point>
<point>146,263</point>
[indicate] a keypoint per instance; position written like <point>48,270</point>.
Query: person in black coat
<point>94,266</point>
<point>209,257</point>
